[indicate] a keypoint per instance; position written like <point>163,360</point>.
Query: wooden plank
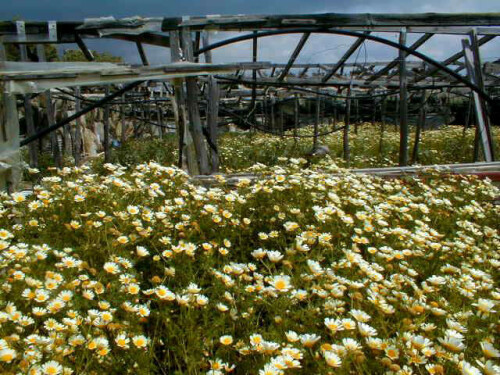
<point>294,56</point>
<point>344,58</point>
<point>326,20</point>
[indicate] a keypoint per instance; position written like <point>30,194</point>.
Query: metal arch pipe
<point>355,34</point>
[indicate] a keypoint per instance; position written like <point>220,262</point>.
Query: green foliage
<point>77,55</point>
<point>13,53</point>
<point>369,148</point>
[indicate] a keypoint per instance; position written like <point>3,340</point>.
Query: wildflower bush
<point>369,147</point>
<point>140,270</point>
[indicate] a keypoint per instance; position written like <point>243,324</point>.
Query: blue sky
<point>324,49</point>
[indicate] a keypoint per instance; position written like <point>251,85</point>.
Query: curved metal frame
<point>390,43</point>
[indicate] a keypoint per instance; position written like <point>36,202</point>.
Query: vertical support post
<point>272,114</point>
<point>56,151</point>
<point>30,127</point>
<point>195,127</point>
<point>296,119</point>
<point>316,123</point>
<point>356,118</point>
<point>107,151</point>
<point>159,118</point>
<point>77,148</point>
<point>374,113</point>
<point>282,120</point>
<point>420,126</point>
<point>123,108</point>
<point>347,149</point>
<point>187,157</point>
<point>483,130</point>
<point>382,127</point>
<point>469,111</point>
<point>212,110</point>
<point>254,77</point>
<point>50,114</point>
<point>28,113</point>
<point>335,115</point>
<point>403,105</point>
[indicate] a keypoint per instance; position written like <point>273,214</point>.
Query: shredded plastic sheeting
<point>106,26</point>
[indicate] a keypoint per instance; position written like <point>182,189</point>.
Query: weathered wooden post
<point>296,118</point>
<point>56,152</point>
<point>382,126</point>
<point>195,127</point>
<point>272,114</point>
<point>420,126</point>
<point>254,78</point>
<point>281,120</point>
<point>356,118</point>
<point>347,149</point>
<point>213,95</point>
<point>483,130</point>
<point>28,109</point>
<point>123,108</point>
<point>403,105</point>
<point>316,124</point>
<point>77,143</point>
<point>107,151</point>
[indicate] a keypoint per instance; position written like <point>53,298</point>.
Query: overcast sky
<point>319,48</point>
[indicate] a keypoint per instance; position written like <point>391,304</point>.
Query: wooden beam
<point>294,56</point>
<point>327,20</point>
<point>83,47</point>
<point>142,53</point>
<point>344,58</point>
